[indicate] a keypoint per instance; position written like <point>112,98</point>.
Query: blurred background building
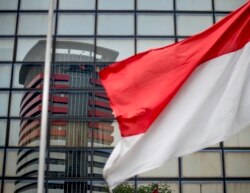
<point>89,35</point>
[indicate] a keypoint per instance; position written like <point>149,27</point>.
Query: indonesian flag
<point>181,98</point>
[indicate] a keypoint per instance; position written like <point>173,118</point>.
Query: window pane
<point>123,47</point>
<point>68,186</point>
<point>159,24</point>
<point>110,24</point>
<point>61,163</point>
<point>228,5</point>
<point>192,24</point>
<point>74,50</point>
<point>74,76</point>
<point>115,4</point>
<point>26,104</point>
<point>5,75</point>
<point>4,99</point>
<point>3,125</point>
<point>1,162</point>
<point>35,4</point>
<point>22,163</point>
<point>77,4</point>
<point>33,24</point>
<point>237,164</point>
<point>14,132</point>
<point>19,185</point>
<point>203,187</point>
<point>155,4</point>
<point>79,104</point>
<point>67,133</point>
<point>31,49</point>
<point>25,73</point>
<point>6,49</point>
<point>11,163</point>
<point>168,186</point>
<point>99,159</point>
<point>102,132</point>
<point>70,163</point>
<point>25,133</point>
<point>194,5</point>
<point>202,164</point>
<point>239,187</point>
<point>100,186</point>
<point>74,104</point>
<point>240,140</point>
<point>219,17</point>
<point>7,24</point>
<point>170,169</point>
<point>8,4</point>
<point>78,76</point>
<point>77,24</point>
<point>16,99</point>
<point>146,44</point>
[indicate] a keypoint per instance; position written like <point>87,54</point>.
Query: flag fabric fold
<point>180,98</point>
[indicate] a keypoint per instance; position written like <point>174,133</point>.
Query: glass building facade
<point>87,36</point>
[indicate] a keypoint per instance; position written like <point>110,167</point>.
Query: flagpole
<point>45,100</point>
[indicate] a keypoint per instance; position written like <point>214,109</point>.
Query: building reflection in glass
<point>79,161</point>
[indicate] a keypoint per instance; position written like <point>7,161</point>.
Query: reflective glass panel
<point>77,4</point>
<point>34,4</point>
<point>202,187</point>
<point>22,163</point>
<point>115,4</point>
<point>192,24</point>
<point>194,5</point>
<point>8,4</point>
<point>155,4</point>
<point>6,49</point>
<point>11,160</point>
<point>237,164</point>
<point>219,17</point>
<point>240,140</point>
<point>72,50</point>
<point>31,24</point>
<point>146,44</point>
<point>70,163</point>
<point>5,75</point>
<point>16,101</point>
<point>157,24</point>
<point>202,164</point>
<point>239,187</point>
<point>76,186</point>
<point>25,133</point>
<point>31,49</point>
<point>67,133</point>
<point>3,125</point>
<point>4,100</point>
<point>228,5</point>
<point>26,74</point>
<point>18,185</point>
<point>1,161</point>
<point>120,48</point>
<point>170,169</point>
<point>114,24</point>
<point>7,24</point>
<point>163,186</point>
<point>76,24</point>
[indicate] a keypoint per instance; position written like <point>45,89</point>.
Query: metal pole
<point>45,100</point>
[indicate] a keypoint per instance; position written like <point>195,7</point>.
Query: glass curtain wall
<point>89,35</point>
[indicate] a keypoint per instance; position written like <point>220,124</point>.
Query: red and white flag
<point>181,98</point>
